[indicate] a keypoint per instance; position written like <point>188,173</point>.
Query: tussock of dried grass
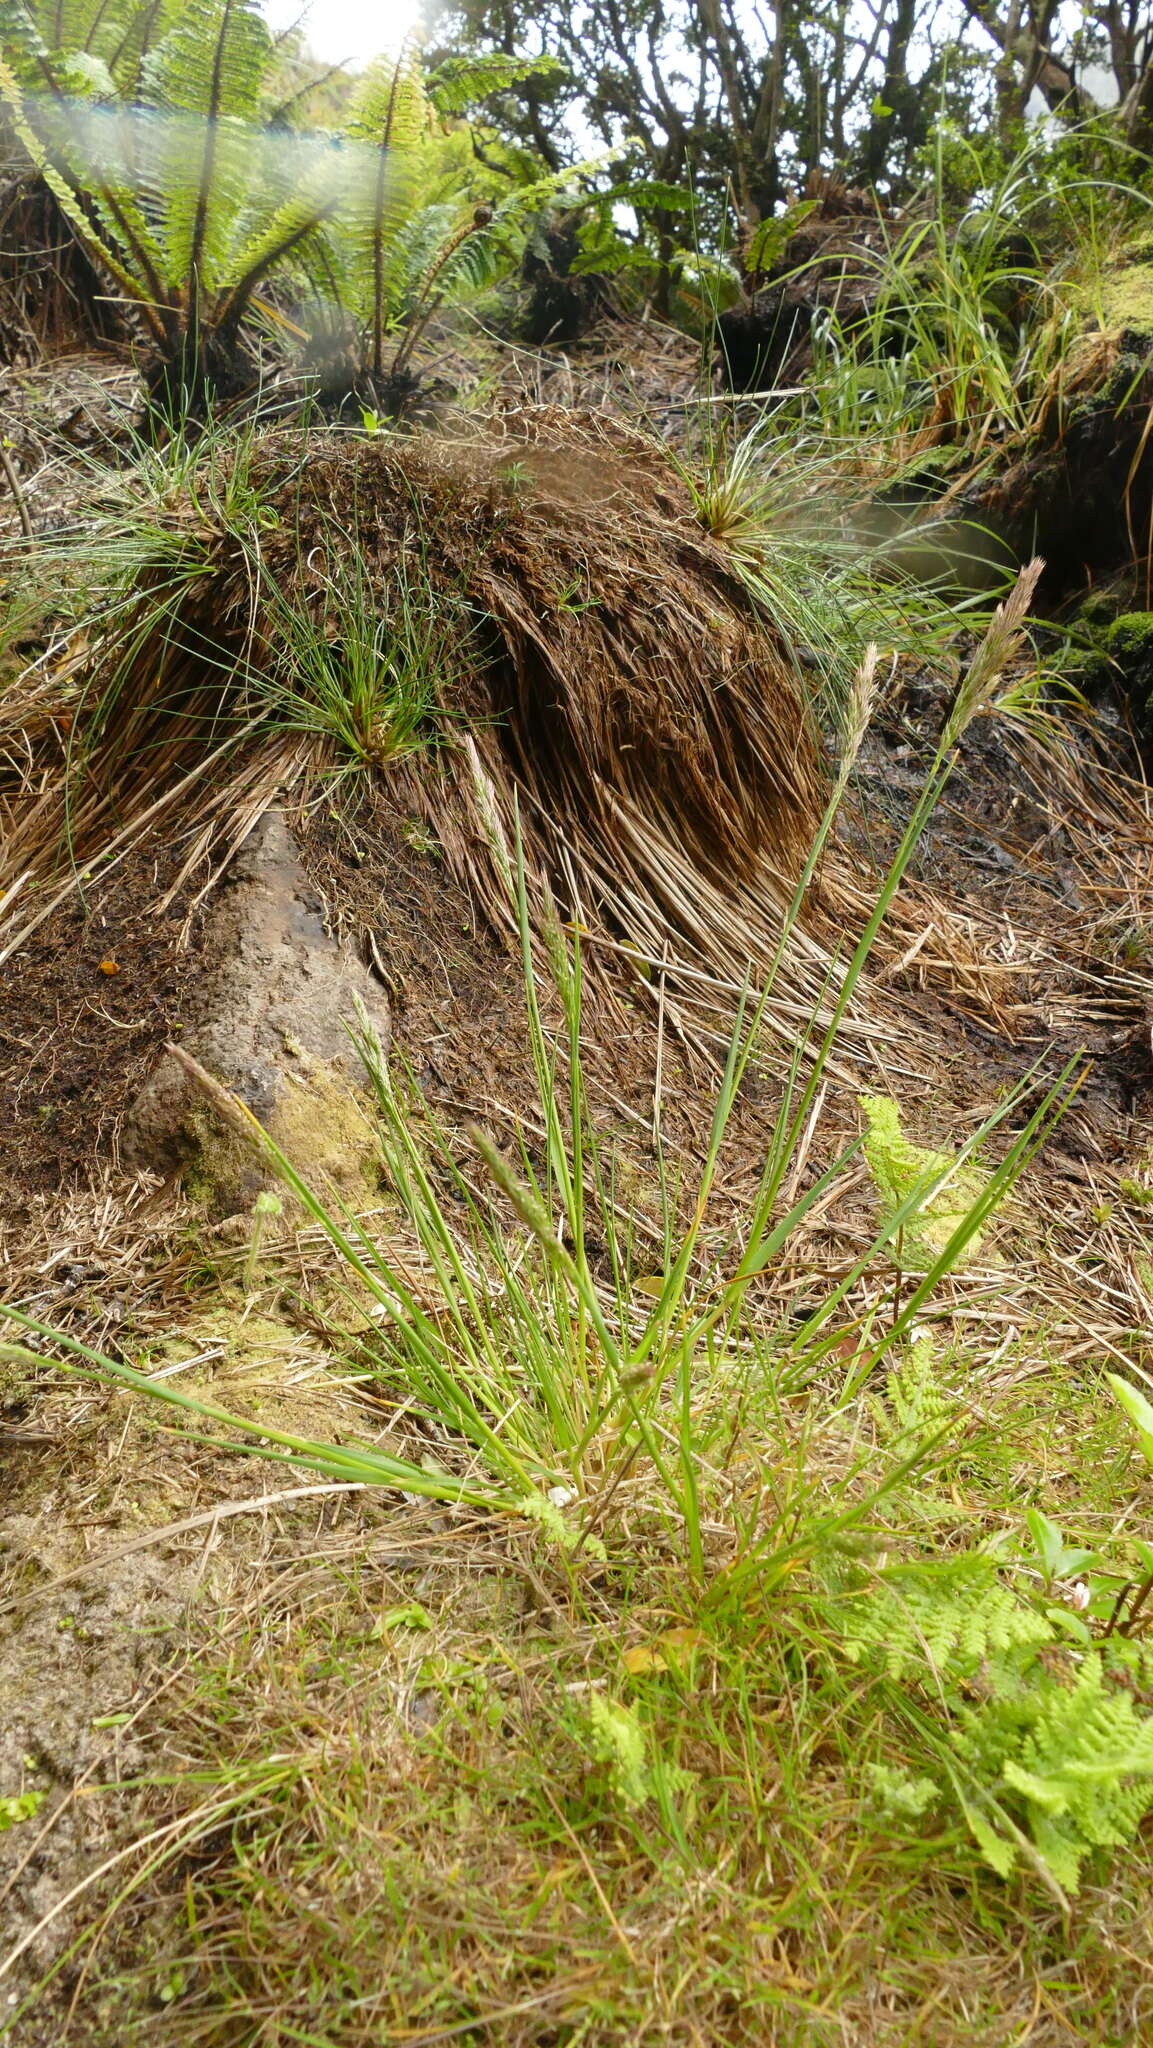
<point>612,685</point>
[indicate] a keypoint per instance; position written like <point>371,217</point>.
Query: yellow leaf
<point>650,1283</point>
<point>641,1658</point>
<point>667,1650</point>
<point>682,1638</point>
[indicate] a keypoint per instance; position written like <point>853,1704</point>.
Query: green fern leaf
<point>920,1405</point>
<point>1072,1753</point>
<point>459,82</point>
<point>85,76</point>
<point>999,1852</point>
<point>955,1613</point>
<point>900,1170</point>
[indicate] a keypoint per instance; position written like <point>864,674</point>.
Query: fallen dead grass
<point>610,685</point>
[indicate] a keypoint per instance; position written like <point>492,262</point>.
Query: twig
<point>18,498</point>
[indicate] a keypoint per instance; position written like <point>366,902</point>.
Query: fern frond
<point>27,54</point>
<point>459,82</point>
<point>1053,1754</point>
<point>82,45</point>
<point>128,253</point>
<point>651,192</point>
<point>391,115</point>
<point>211,66</point>
<point>480,248</point>
<point>391,109</point>
<point>955,1614</point>
<point>919,1403</point>
<point>292,227</point>
<point>1073,1754</point>
<point>103,152</point>
<point>85,76</point>
<point>147,24</point>
<point>212,62</point>
<point>900,1169</point>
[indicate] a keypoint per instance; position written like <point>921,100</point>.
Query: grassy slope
<point>443,1777</point>
<point>460,1781</point>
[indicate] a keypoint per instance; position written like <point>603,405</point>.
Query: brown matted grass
<point>604,684</point>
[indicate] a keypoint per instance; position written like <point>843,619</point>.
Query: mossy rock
<point>1130,638</point>
<point>1126,297</point>
<point>1113,651</point>
<point>277,998</point>
<point>1128,644</point>
<point>319,1121</point>
<point>1097,612</point>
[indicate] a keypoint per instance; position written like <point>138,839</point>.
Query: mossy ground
<point>380,1743</point>
<point>428,1840</point>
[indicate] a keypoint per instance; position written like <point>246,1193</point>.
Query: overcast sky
<point>352,31</point>
<point>346,31</point>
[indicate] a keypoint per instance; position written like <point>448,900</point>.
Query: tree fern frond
<point>391,108</point>
<point>391,117</point>
<point>124,254</point>
<point>459,82</point>
<point>290,229</point>
<point>27,54</point>
<point>77,24</point>
<point>532,198</point>
<point>147,23</point>
<point>57,36</point>
<point>412,251</point>
<point>85,76</point>
<point>102,152</point>
<point>212,61</point>
<point>651,192</point>
<point>211,65</point>
<point>52,39</point>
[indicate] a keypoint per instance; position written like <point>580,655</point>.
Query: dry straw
<point>604,678</point>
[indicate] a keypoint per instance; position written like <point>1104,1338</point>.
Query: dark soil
<point>84,1008</point>
<point>1082,495</point>
<point>77,1042</point>
<point>456,987</point>
<point>830,264</point>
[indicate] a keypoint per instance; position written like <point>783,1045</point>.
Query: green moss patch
<point>321,1123</point>
<point>1126,297</point>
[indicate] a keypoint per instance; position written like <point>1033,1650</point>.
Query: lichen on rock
<point>272,1025</point>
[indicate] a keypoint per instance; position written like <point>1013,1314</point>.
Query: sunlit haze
<point>345,31</point>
